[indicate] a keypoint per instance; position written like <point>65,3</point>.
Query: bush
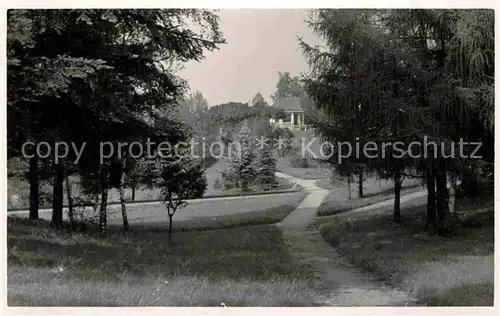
<point>45,195</point>
<point>297,161</point>
<point>229,179</point>
<point>475,185</point>
<point>284,133</point>
<point>82,217</point>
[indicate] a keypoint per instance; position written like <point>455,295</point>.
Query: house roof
<point>290,104</point>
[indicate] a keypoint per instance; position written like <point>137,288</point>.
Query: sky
<point>259,44</point>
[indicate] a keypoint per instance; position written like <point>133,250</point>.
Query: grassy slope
<point>338,202</point>
<point>246,266</point>
<point>204,210</point>
<point>270,215</point>
<point>267,216</point>
<point>314,172</point>
<point>456,270</point>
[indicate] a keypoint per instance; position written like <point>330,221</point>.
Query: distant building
<point>294,114</point>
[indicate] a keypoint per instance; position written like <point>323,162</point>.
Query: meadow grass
<point>338,200</point>
<point>268,216</point>
<point>438,270</point>
<point>464,295</point>
<point>311,173</point>
<point>244,266</point>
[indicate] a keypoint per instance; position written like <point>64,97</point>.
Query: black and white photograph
<point>202,157</point>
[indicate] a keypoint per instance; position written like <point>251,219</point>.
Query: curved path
<point>304,213</point>
<point>338,283</point>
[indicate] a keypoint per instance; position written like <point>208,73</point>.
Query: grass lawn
<point>464,295</point>
<point>303,140</point>
<point>245,266</point>
<point>338,202</point>
<point>203,210</point>
<point>314,172</point>
<point>370,185</point>
<point>454,270</point>
<point>268,216</point>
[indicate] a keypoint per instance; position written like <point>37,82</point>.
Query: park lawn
<point>155,214</point>
<point>270,215</point>
<point>371,185</point>
<point>266,216</point>
<point>245,266</point>
<point>464,295</point>
<point>455,270</point>
<point>303,140</point>
<point>338,200</point>
<point>312,173</point>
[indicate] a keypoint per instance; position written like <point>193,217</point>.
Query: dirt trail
<point>338,283</point>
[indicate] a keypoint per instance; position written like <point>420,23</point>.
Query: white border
<point>235,4</point>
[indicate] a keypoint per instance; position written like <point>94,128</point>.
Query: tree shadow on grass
<point>394,250</point>
<point>256,252</point>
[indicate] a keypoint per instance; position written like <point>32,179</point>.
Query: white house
<point>294,114</point>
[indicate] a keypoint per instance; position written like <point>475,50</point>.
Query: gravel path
<point>337,282</point>
<point>305,212</point>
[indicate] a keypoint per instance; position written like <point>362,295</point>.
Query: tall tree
<point>399,75</point>
<point>106,73</point>
<point>286,87</point>
<point>245,164</point>
<point>363,84</point>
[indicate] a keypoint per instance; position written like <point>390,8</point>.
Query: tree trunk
<point>397,196</point>
<point>57,197</point>
<point>122,201</point>
<point>34,188</point>
<point>361,184</point>
<point>431,198</point>
<point>103,218</point>
<point>441,198</point>
<point>124,208</point>
<point>70,202</point>
<point>170,229</point>
<point>133,190</point>
<point>452,180</point>
<point>349,187</point>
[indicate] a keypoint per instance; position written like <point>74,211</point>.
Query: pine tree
<point>266,169</point>
<point>241,172</point>
<point>245,164</point>
<point>229,179</point>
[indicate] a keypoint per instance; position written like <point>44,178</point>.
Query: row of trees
<point>407,75</point>
<point>251,163</point>
<point>94,76</point>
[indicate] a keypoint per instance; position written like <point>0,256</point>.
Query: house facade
<point>294,119</point>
